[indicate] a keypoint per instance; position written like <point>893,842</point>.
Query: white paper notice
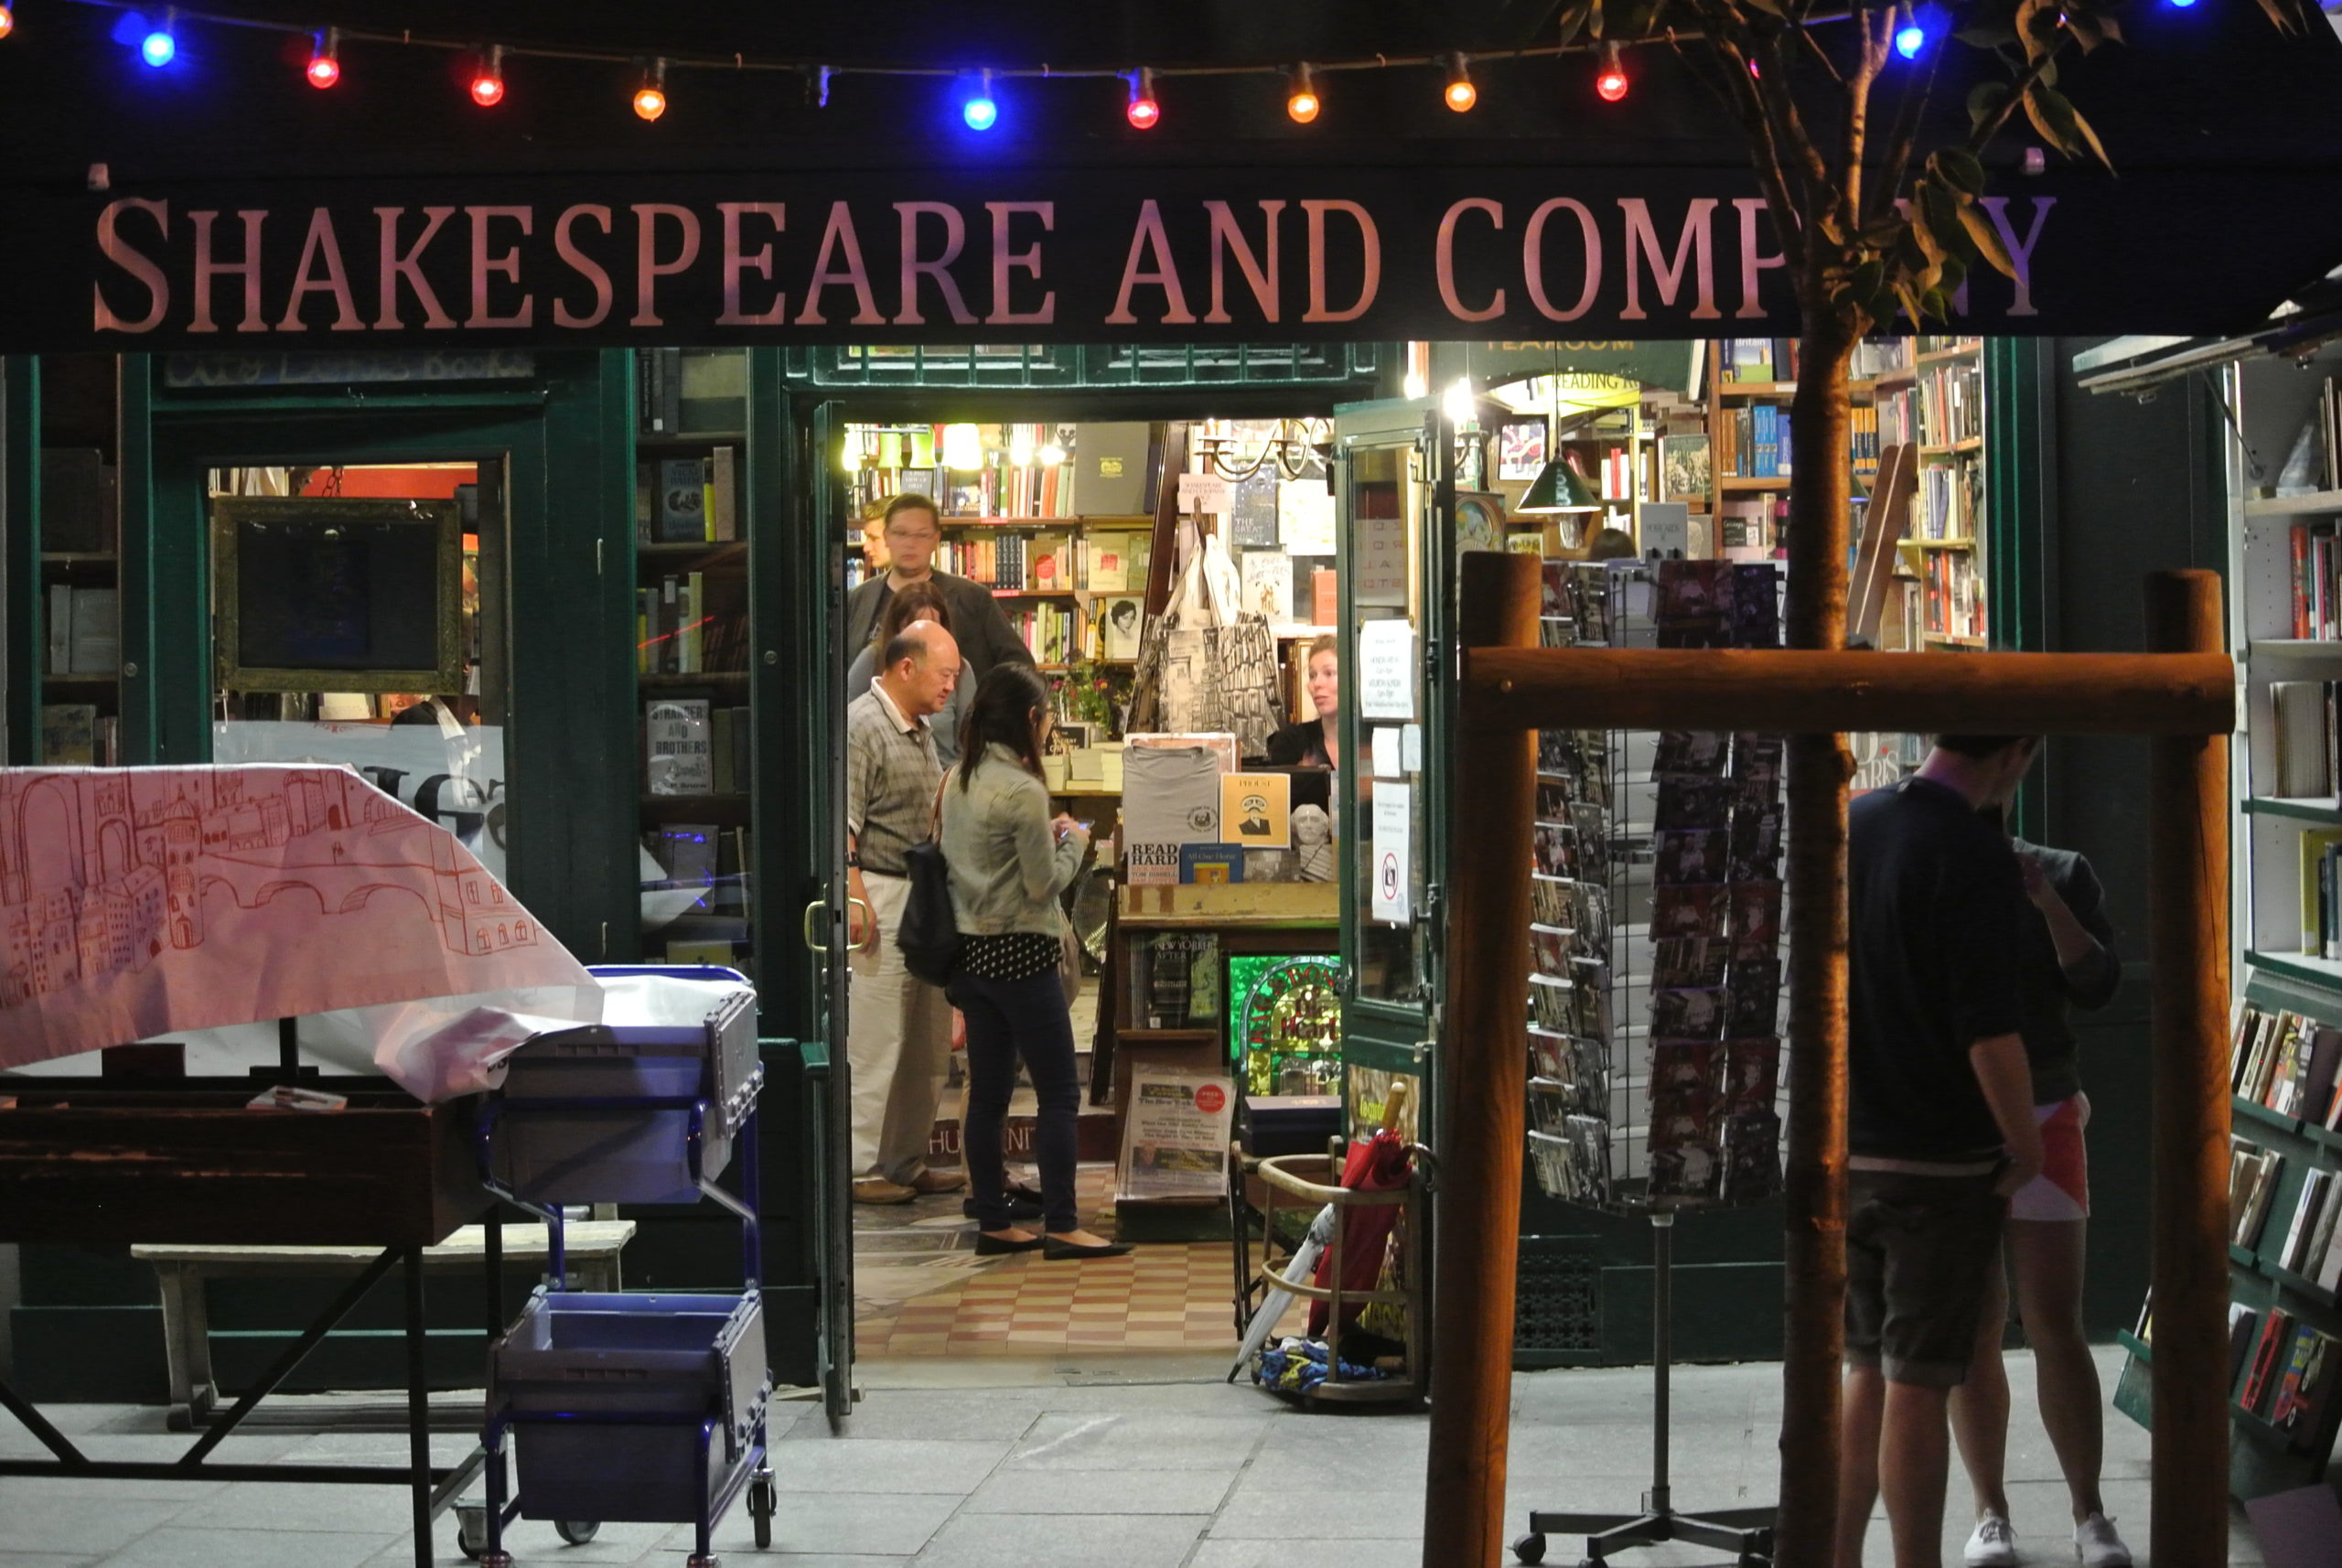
<point>1382,561</point>
<point>1411,748</point>
<point>1305,517</point>
<point>1393,853</point>
<point>1386,753</point>
<point>1206,493</point>
<point>1386,670</point>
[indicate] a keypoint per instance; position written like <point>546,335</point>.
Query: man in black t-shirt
<point>1940,1124</point>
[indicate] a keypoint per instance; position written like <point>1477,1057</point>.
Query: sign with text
<point>1386,670</point>
<point>1513,254</point>
<point>1391,900</point>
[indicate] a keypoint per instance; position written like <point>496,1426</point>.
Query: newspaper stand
<point>645,1407</point>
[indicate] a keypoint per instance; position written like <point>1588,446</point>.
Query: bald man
<point>898,1028</point>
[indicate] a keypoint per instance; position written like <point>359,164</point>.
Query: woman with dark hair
<point>1011,861</point>
<point>908,606</point>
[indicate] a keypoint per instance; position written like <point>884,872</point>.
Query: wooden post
<point>1486,1085</point>
<point>2187,959</point>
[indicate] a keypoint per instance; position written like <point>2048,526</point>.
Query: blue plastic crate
<point>624,1155</point>
<point>670,1360</point>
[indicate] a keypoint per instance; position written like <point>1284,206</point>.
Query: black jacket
<point>982,632</point>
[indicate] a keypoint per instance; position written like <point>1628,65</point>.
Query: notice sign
<point>1393,860</point>
<point>1382,561</point>
<point>1206,495</point>
<point>1174,1140</point>
<point>1386,671</point>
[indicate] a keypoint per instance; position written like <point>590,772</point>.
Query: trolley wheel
<point>471,1529</point>
<point>577,1531</point>
<point>763,1501</point>
<point>1529,1548</point>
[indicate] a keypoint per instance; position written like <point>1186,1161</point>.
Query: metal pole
<point>418,1409</point>
<point>2187,917</point>
<point>1662,1352</point>
<point>1475,1261</point>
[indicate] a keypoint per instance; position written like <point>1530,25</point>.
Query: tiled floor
<point>920,1291</point>
<point>1036,1461</point>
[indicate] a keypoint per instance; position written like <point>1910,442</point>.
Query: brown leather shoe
<point>933,1181</point>
<point>878,1189</point>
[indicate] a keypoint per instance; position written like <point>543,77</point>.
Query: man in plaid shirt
<point>898,1029</point>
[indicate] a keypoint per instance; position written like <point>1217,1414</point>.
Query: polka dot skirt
<point>1017,955</point>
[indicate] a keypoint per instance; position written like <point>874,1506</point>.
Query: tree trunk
<point>1819,768</point>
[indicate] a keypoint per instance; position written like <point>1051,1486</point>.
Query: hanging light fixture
<point>1558,487</point>
<point>650,98</point>
<point>1461,95</point>
<point>964,448</point>
<point>488,82</point>
<point>1611,82</point>
<point>8,21</point>
<point>1301,94</point>
<point>325,59</point>
<point>1144,112</point>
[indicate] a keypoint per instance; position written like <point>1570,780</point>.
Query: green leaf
<point>1954,274</point>
<point>1868,277</point>
<point>1985,100</point>
<point>2283,14</point>
<point>1958,169</point>
<point>1987,239</point>
<point>2097,147</point>
<point>1572,20</point>
<point>2052,116</point>
<point>1909,301</point>
<point>1937,302</point>
<point>1942,209</point>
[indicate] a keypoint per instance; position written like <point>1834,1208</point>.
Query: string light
<point>158,47</point>
<point>1301,94</point>
<point>981,110</point>
<point>1910,39</point>
<point>1144,114</point>
<point>1460,94</point>
<point>1610,83</point>
<point>650,98</point>
<point>488,82</point>
<point>8,21</point>
<point>325,59</point>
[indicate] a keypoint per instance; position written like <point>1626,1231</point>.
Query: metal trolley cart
<point>646,1407</point>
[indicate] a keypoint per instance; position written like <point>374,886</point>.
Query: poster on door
<point>1394,868</point>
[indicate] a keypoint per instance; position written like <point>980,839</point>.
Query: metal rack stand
<point>1746,1532</point>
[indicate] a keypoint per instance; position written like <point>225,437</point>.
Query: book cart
<point>645,1407</point>
<point>1655,980</point>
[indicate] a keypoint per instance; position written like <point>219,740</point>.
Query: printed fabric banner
<point>144,901</point>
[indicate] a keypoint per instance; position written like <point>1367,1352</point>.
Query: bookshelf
<point>2286,1239</point>
<point>691,656</point>
<point>76,527</point>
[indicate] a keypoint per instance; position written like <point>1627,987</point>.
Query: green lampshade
<point>1559,487</point>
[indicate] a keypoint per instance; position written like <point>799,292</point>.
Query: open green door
<point>1394,502</point>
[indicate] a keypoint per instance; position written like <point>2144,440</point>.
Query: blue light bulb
<point>1910,40</point>
<point>2181,4</point>
<point>157,48</point>
<point>979,110</point>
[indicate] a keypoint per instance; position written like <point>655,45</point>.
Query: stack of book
<point>676,631</point>
<point>1760,443</point>
<point>2304,735</point>
<point>2253,1175</point>
<point>688,500</point>
<point>1951,403</point>
<point>2291,1377</point>
<point>2288,1064</point>
<point>2311,1249</point>
<point>1746,360</point>
<point>84,630</point>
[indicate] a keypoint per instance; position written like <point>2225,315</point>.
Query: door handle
<point>817,915</point>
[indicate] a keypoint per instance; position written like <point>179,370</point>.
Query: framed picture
<point>1521,449</point>
<point>1479,520</point>
<point>331,594</point>
<point>1683,465</point>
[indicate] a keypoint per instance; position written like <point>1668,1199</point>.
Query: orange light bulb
<point>8,21</point>
<point>1461,95</point>
<point>1301,95</point>
<point>650,98</point>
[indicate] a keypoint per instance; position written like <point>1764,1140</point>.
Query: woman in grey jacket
<point>1010,863</point>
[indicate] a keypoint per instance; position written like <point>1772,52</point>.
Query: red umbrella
<point>1381,1163</point>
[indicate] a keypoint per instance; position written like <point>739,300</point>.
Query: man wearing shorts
<point>2065,958</point>
<point>1940,1126</point>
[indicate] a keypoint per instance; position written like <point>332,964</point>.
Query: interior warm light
<point>325,65</point>
<point>1052,454</point>
<point>1461,95</point>
<point>1610,84</point>
<point>488,82</point>
<point>1144,112</point>
<point>650,98</point>
<point>1458,405</point>
<point>1301,95</point>
<point>964,448</point>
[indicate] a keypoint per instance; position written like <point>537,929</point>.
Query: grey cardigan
<point>1006,874</point>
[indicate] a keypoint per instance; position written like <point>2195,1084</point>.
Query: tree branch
<point>1984,133</point>
<point>1735,84</point>
<point>1904,138</point>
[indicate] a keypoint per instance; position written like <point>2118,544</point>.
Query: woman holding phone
<point>1011,861</point>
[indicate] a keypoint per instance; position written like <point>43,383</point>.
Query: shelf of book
<point>2307,811</point>
<point>2324,973</point>
<point>2296,648</point>
<point>2133,1344</point>
<point>1966,349</point>
<point>2298,1126</point>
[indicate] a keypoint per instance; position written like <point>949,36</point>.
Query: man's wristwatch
<point>854,860</point>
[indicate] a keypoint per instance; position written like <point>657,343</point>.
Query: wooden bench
<point>592,1248</point>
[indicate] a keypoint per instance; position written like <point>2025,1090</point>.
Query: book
<point>723,495</point>
<point>60,630</point>
<point>1253,522</point>
<point>1211,863</point>
<point>2243,1327</point>
<point>1325,596</point>
<point>687,851</point>
<point>2299,709</point>
<point>678,747</point>
<point>68,735</point>
<point>1268,585</point>
<point>1111,468</point>
<point>2276,1331</point>
<point>2316,916</point>
<point>682,501</point>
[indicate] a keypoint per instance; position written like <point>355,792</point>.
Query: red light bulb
<point>1611,84</point>
<point>487,83</point>
<point>1144,112</point>
<point>325,67</point>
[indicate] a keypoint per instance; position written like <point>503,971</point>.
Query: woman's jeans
<point>1008,1019</point>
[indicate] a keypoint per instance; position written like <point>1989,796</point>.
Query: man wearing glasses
<point>913,531</point>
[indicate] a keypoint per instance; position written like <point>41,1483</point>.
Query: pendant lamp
<point>1559,489</point>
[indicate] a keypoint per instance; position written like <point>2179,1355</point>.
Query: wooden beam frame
<point>2183,694</point>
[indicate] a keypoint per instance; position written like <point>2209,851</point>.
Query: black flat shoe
<point>1058,1252</point>
<point>1022,1205</point>
<point>995,1246</point>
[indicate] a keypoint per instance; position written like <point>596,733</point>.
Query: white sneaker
<point>2099,1546</point>
<point>1992,1545</point>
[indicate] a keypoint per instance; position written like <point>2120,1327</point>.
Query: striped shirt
<point>891,776</point>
